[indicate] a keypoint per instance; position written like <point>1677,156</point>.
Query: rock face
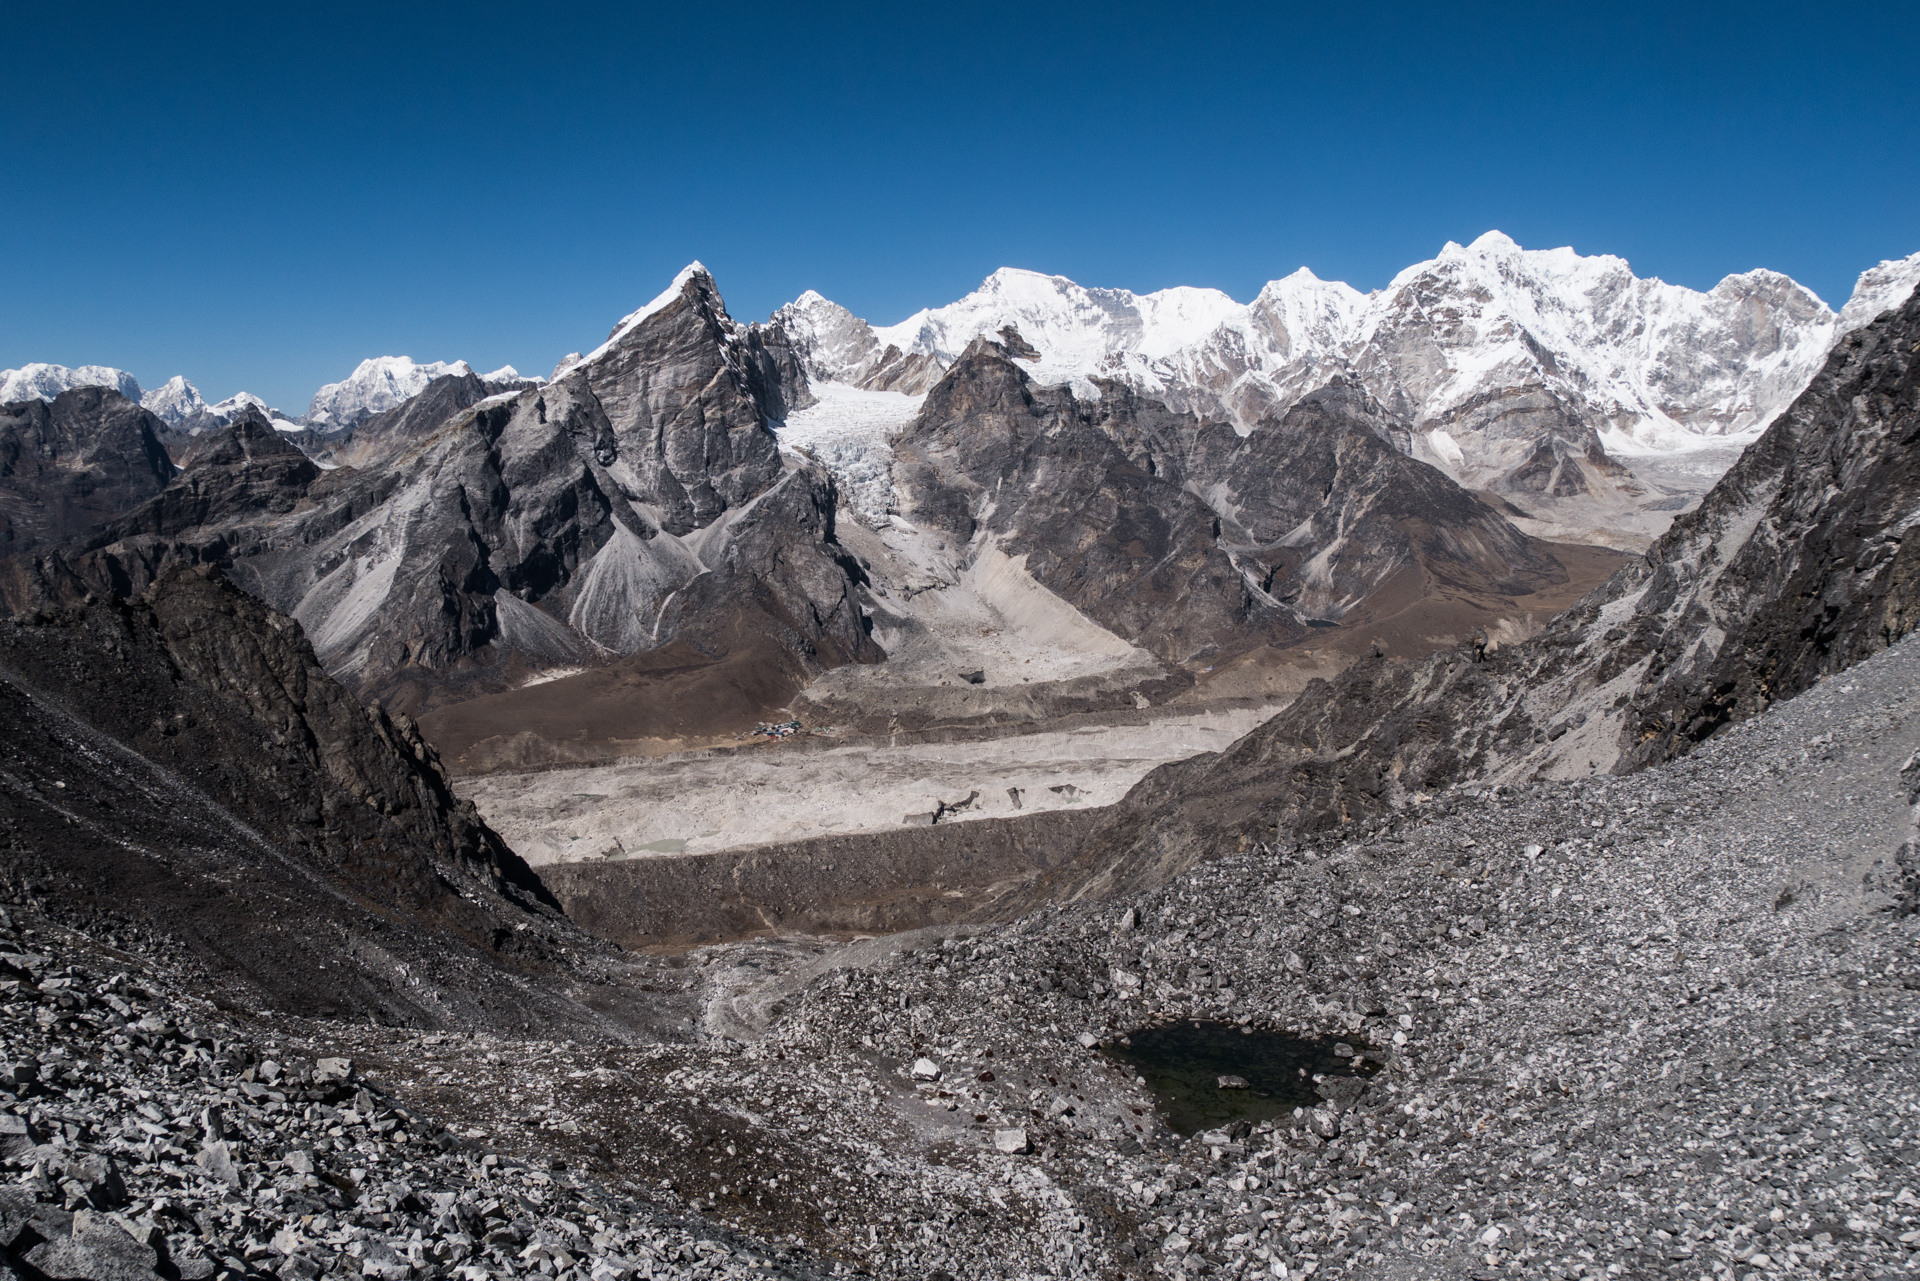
<point>65,465</point>
<point>1184,537</point>
<point>995,457</point>
<point>638,499</point>
<point>1324,503</point>
<point>1796,566</point>
<point>179,762</point>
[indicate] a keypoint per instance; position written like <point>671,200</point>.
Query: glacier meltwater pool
<point>1265,1073</point>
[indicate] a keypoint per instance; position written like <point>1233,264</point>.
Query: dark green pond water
<point>1183,1063</point>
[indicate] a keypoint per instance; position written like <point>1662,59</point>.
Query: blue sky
<point>260,200</point>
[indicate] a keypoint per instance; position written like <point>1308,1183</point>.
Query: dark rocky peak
<point>373,439</point>
<point>181,761</point>
<point>994,456</point>
<point>69,463</point>
<point>1017,347</point>
<point>477,536</point>
<point>1329,494</point>
<point>244,470</point>
<point>688,393</point>
<point>1797,564</point>
<point>1320,512</point>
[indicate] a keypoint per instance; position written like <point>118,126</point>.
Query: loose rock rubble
<point>149,1134</point>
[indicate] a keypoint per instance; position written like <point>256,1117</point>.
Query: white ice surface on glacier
<point>849,431</point>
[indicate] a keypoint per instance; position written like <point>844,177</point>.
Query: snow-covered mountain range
<point>1543,376</point>
<point>1591,402</point>
<point>1662,364</point>
<point>376,385</point>
<point>44,382</point>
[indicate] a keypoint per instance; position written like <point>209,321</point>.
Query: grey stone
<point>100,1251</point>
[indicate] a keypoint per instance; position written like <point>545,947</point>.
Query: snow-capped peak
<point>1074,328</point>
<point>174,402</point>
<point>225,410</point>
<point>1880,289</point>
<point>44,382</point>
<point>375,386</point>
<point>634,319</point>
<point>508,374</point>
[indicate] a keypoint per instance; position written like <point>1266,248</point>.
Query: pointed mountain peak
<point>174,402</point>
<point>694,276</point>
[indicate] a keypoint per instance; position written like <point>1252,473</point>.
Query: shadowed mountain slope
<point>178,763</point>
<point>1187,538</point>
<point>69,463</point>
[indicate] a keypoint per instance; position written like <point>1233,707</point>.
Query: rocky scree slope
<point>147,1135</point>
<point>1658,1025</point>
<point>638,499</point>
<point>179,765</point>
<point>1795,566</point>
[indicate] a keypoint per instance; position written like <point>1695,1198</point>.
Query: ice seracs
<point>44,382</point>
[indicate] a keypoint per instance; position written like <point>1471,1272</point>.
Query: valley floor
<point>796,789</point>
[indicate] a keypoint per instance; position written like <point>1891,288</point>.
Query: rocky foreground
<point>1657,1025</point>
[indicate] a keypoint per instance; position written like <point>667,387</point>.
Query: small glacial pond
<point>1184,1062</point>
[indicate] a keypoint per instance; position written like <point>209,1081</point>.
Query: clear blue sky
<point>259,196</point>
